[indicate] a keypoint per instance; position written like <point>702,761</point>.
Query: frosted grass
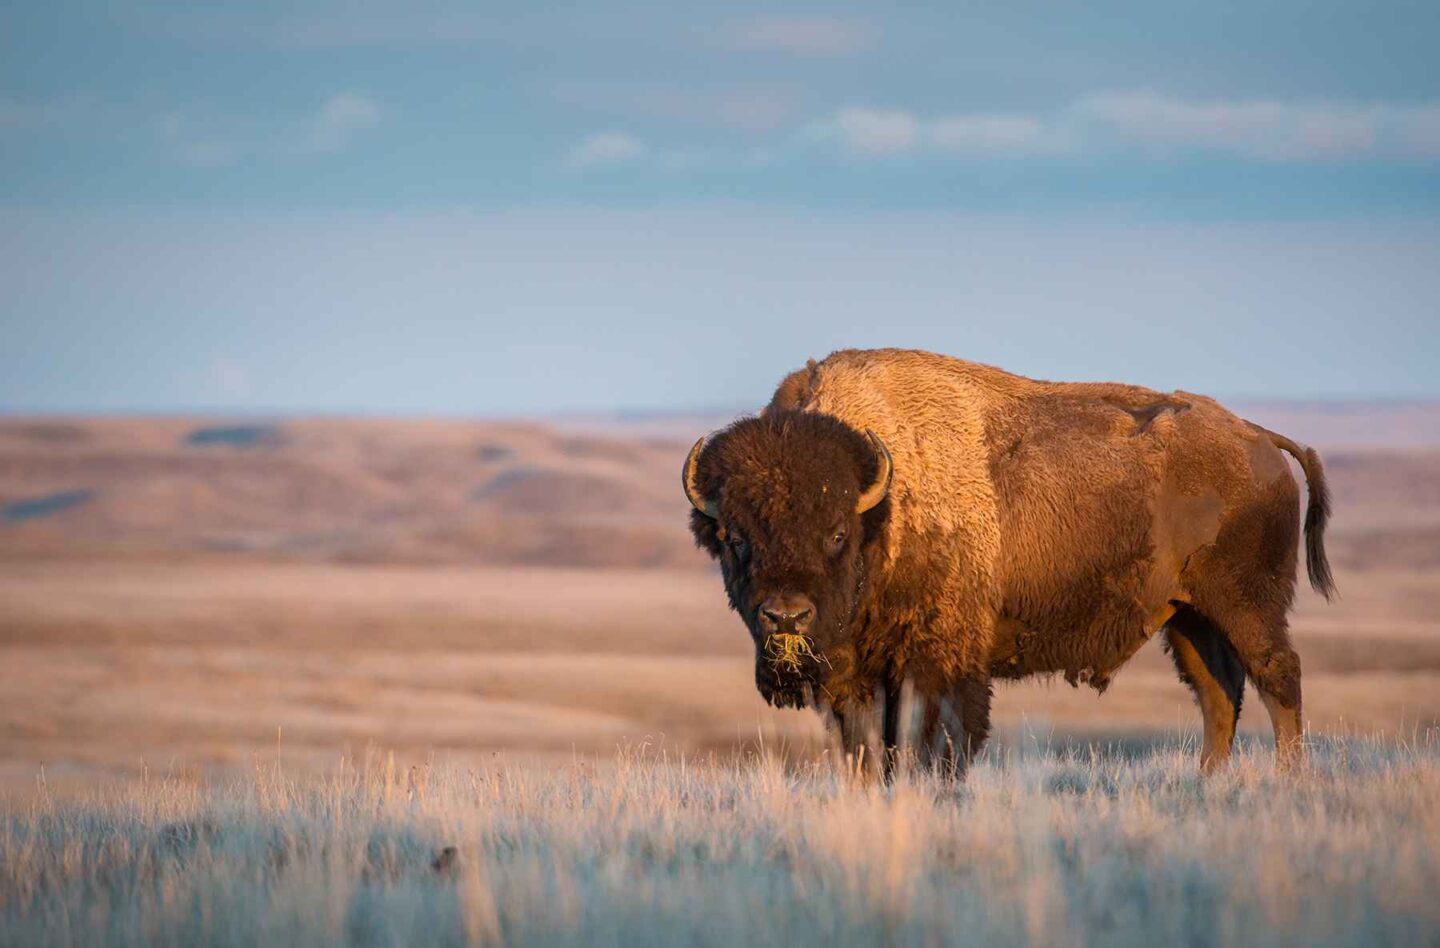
<point>1088,847</point>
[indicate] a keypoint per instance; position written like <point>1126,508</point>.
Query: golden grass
<point>1037,848</point>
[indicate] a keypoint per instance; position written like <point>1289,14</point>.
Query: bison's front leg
<point>869,735</point>
<point>852,728</point>
<point>954,727</point>
<point>955,683</point>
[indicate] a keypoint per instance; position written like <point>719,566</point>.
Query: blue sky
<point>496,208</point>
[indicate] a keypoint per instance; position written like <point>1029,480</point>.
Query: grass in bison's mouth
<point>787,650</point>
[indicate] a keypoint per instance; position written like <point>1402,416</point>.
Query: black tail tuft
<point>1316,516</point>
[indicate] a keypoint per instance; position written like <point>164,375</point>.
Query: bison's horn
<point>692,490</point>
<point>876,492</point>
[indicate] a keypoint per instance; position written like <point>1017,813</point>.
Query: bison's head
<point>790,504</point>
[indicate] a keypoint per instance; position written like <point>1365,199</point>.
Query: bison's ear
<point>707,533</point>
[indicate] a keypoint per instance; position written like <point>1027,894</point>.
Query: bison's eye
<point>738,546</point>
<point>837,540</point>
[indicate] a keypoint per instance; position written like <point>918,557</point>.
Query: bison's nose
<point>788,613</point>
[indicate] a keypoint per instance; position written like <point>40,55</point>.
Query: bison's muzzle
<point>787,614</point>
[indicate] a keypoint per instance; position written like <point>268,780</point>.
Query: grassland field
<point>255,677</point>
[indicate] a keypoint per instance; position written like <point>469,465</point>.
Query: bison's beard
<point>789,670</point>
<point>786,694</point>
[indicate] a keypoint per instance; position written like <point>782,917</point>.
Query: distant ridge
<point>1359,424</point>
<point>575,491</point>
<point>1349,424</point>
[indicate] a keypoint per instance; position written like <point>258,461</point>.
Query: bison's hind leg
<point>1261,640</point>
<point>1273,665</point>
<point>1209,665</point>
<point>1244,586</point>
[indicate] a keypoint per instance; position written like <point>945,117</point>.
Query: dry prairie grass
<point>1037,848</point>
<point>108,664</point>
<point>449,591</point>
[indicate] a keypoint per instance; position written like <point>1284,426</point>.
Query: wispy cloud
<point>1252,129</point>
<point>356,27</point>
<point>201,139</point>
<point>894,131</point>
<point>340,118</point>
<point>1269,129</point>
<point>993,133</point>
<point>755,110</point>
<point>819,36</point>
<point>876,131</point>
<point>744,106</point>
<point>606,148</point>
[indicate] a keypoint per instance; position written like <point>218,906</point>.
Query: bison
<point>904,522</point>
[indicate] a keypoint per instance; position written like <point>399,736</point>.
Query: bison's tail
<point>1316,514</point>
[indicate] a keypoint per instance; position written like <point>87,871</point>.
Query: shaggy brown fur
<point>1030,527</point>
